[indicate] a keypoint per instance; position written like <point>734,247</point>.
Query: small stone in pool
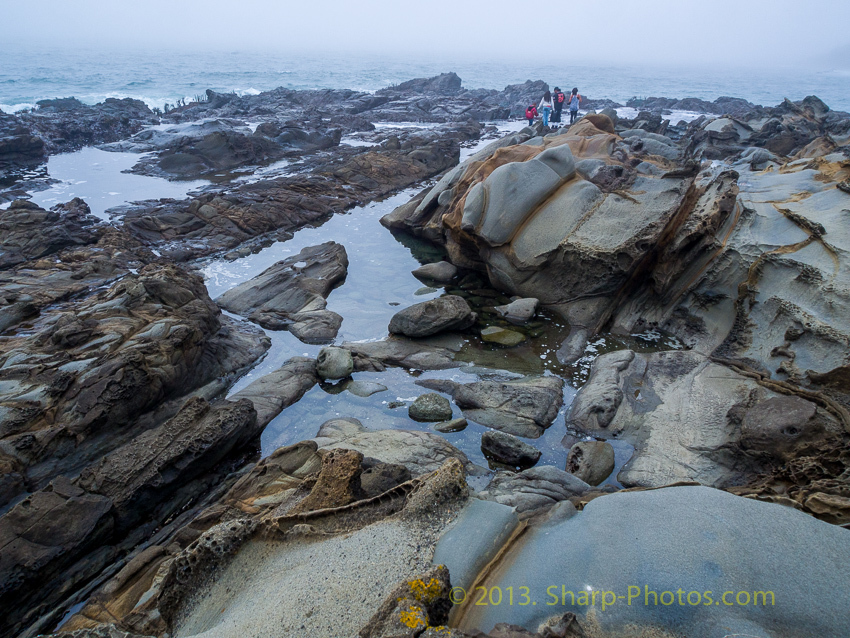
<point>502,336</point>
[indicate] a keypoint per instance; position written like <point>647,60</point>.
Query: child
<point>530,114</point>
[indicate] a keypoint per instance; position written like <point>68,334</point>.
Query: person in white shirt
<point>545,107</point>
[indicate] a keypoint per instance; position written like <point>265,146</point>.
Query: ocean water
<point>159,76</point>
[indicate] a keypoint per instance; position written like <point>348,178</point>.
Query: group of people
<point>552,104</point>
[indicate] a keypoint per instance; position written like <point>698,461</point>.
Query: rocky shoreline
<point>133,497</point>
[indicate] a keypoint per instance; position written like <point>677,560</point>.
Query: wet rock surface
<point>509,450</point>
<point>430,317</point>
<point>523,407</point>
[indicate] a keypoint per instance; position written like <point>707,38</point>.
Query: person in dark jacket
<point>559,99</point>
<point>530,114</point>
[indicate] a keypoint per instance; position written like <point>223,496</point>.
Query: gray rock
<point>334,363</point>
<point>715,541</point>
<point>432,353</point>
<point>273,392</point>
<point>525,407</point>
<point>519,311</point>
<point>429,408</point>
<point>290,295</point>
<point>430,317</point>
<point>379,477</point>
<point>508,449</point>
<point>442,271</point>
<point>685,413</point>
<point>454,425</point>
<point>591,461</point>
<point>479,532</point>
<point>533,490</point>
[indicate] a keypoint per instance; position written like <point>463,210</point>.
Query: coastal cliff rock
<point>83,382</point>
<point>30,232</point>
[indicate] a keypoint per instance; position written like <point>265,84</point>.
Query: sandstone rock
<point>508,449</point>
<point>334,363</point>
<point>442,272</point>
<point>429,408</point>
<point>688,411</point>
<point>140,475</point>
<point>428,354</point>
<point>291,294</point>
<point>365,388</point>
<point>523,407</point>
<point>338,482</point>
<point>101,370</point>
<point>379,477</point>
<point>712,536</point>
<point>591,461</point>
<point>433,316</point>
<point>495,208</point>
<point>533,490</point>
<point>420,452</point>
<point>66,124</point>
<point>18,145</point>
<point>412,606</point>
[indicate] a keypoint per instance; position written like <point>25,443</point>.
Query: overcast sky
<point>754,33</point>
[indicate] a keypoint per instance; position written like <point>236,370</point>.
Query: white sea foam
<point>15,108</point>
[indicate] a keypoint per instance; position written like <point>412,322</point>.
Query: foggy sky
<point>752,33</point>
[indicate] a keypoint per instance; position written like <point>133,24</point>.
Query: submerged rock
<point>454,425</point>
<point>502,336</point>
<point>519,311</point>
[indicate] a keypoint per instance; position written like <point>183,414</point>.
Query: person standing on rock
<point>530,114</point>
<point>559,98</point>
<point>545,107</point>
<point>575,102</point>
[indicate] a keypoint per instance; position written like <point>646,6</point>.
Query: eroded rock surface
<point>292,294</point>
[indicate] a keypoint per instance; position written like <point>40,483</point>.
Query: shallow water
<point>379,284</point>
<point>97,177</point>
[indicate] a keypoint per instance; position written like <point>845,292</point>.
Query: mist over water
<point>160,75</point>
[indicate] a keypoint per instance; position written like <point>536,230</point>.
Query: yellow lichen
<point>414,617</point>
<point>425,593</point>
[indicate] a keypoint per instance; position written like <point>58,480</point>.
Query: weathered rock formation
<point>291,294</point>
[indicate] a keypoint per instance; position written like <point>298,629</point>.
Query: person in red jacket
<point>530,114</point>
